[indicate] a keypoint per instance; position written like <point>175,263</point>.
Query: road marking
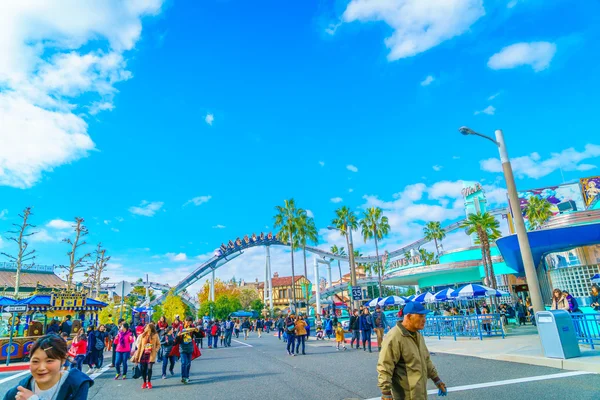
<point>508,382</point>
<point>98,373</point>
<point>245,344</point>
<point>10,378</point>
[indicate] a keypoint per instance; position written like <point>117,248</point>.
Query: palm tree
<point>433,231</point>
<point>538,212</point>
<point>374,225</point>
<point>307,233</point>
<point>428,257</point>
<point>338,251</point>
<point>346,222</point>
<point>487,229</point>
<point>287,221</point>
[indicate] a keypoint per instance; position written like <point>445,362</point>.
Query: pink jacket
<point>124,341</point>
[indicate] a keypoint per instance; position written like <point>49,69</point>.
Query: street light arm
<point>468,131</point>
<point>486,137</point>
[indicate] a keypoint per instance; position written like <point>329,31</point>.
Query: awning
<point>547,241</point>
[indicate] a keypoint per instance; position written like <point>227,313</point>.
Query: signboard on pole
<point>356,293</point>
<point>15,308</point>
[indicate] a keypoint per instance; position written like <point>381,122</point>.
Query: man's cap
<point>415,308</point>
<point>378,307</point>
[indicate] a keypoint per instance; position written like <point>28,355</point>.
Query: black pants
<point>146,369</point>
<point>114,354</point>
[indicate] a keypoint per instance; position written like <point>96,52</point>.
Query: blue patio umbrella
<point>392,301</point>
<point>373,303</point>
<point>426,297</point>
<point>501,293</point>
<point>411,297</point>
<point>473,290</point>
<point>444,295</point>
<point>596,278</point>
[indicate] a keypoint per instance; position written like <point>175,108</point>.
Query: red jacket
<point>78,348</point>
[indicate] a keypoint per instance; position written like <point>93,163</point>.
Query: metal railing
<point>470,326</point>
<point>587,328</point>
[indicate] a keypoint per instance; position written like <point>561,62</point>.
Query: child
<point>339,336</point>
<point>320,333</point>
<point>78,350</point>
<point>47,379</point>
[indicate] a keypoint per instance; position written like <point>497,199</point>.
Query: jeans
<point>355,336</point>
<point>245,333</point>
<point>168,360</point>
<point>93,358</point>
<point>122,357</point>
<point>186,363</point>
<point>100,359</point>
<point>237,333</point>
<point>279,332</point>
<point>210,341</point>
<point>301,339</point>
<point>366,338</point>
<point>215,340</point>
<point>228,338</point>
<point>78,362</point>
<point>290,343</point>
<point>146,369</point>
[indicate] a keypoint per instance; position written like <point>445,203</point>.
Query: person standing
<point>290,328</point>
<point>259,327</point>
<point>365,323</point>
<point>145,355</point>
<point>300,332</point>
<point>228,331</point>
<point>521,312</point>
<point>380,324</point>
<point>404,364</point>
<point>215,331</point>
<point>236,327</point>
<point>113,333</point>
<point>177,324</point>
<point>328,327</point>
<point>123,343</point>
<point>162,325</point>
<point>595,298</point>
<point>66,326</point>
<point>559,300</point>
<point>167,342</point>
<point>245,328</point>
<point>186,348</point>
<point>280,325</point>
<point>355,329</point>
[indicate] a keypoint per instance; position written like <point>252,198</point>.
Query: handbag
<point>196,351</point>
<point>137,372</point>
<point>99,344</point>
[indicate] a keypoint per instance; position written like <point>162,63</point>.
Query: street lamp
<point>528,264</point>
<point>355,303</point>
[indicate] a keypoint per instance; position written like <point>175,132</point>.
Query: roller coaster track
<point>220,259</point>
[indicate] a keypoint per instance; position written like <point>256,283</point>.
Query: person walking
<point>167,342</point>
<point>246,328</point>
<point>92,352</point>
<point>365,323</point>
<point>123,343</point>
<point>280,325</point>
<point>228,331</point>
<point>146,353</point>
<point>236,328</point>
<point>101,339</point>
<point>380,324</point>
<point>113,333</point>
<point>339,337</point>
<point>300,332</point>
<point>215,331</point>
<point>404,364</point>
<point>328,327</point>
<point>162,325</point>
<point>186,348</point>
<point>290,328</point>
<point>259,327</point>
<point>355,329</point>
<point>46,379</point>
<point>78,350</point>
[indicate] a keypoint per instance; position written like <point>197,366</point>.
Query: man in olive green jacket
<point>404,363</point>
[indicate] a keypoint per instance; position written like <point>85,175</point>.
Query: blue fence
<point>471,326</point>
<point>587,328</point>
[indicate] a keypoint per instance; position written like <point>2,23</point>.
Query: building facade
<point>282,290</point>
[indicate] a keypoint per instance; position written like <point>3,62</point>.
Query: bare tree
<point>76,264</point>
<point>94,275</point>
<point>25,257</point>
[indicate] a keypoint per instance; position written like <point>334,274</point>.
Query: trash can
<point>557,334</point>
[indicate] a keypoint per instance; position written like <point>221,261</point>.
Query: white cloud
<point>535,54</point>
<point>456,157</point>
<point>337,200</point>
<point>489,110</point>
<point>198,200</point>
<point>43,236</point>
<point>310,213</point>
<point>209,119</point>
<point>3,213</point>
<point>437,167</point>
<point>115,229</point>
<point>352,168</point>
<point>492,97</point>
<point>59,60</point>
<point>219,226</point>
<point>511,3</point>
<point>60,224</point>
<point>322,163</point>
<point>176,257</point>
<point>350,190</point>
<point>146,208</point>
<point>418,25</point>
<point>332,28</point>
<point>120,219</point>
<point>106,221</point>
<point>427,81</point>
<point>533,166</point>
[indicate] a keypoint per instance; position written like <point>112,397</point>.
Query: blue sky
<point>172,127</point>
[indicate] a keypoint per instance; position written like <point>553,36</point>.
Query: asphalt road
<point>261,369</point>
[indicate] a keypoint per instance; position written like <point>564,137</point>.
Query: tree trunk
<point>306,276</point>
<point>437,250</point>
<point>293,277</point>
<point>350,260</point>
<point>378,265</point>
<point>341,280</point>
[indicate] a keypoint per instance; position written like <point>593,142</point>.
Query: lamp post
<point>528,264</point>
<point>355,303</point>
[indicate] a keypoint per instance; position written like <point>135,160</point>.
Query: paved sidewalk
<point>521,345</point>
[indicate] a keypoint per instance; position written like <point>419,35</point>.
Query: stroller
<point>320,333</point>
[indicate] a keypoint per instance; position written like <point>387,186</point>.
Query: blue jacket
<point>365,322</point>
<point>383,323</point>
<point>75,387</point>
<point>328,325</point>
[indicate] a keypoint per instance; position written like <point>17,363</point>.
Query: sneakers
<point>90,371</point>
<point>124,377</point>
<point>144,385</point>
<point>172,373</point>
<point>338,349</point>
<point>111,366</point>
<point>344,349</point>
<point>117,376</point>
<point>186,381</point>
<point>164,377</point>
<point>149,386</point>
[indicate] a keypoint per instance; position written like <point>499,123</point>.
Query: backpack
<point>214,330</point>
<point>99,343</point>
